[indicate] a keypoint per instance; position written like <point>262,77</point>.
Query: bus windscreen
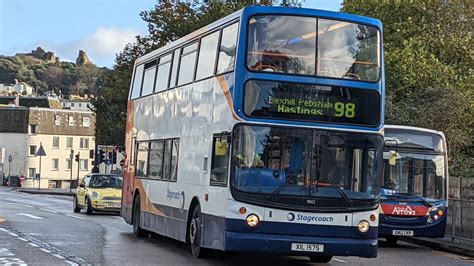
<point>312,103</point>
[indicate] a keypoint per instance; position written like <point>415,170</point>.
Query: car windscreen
<point>104,181</point>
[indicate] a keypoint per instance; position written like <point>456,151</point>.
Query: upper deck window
<point>149,78</point>
<point>137,81</point>
<point>163,76</point>
<point>207,56</point>
<point>188,64</point>
<point>311,46</point>
<point>227,48</point>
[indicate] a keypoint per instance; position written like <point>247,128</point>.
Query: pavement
<point>458,246</point>
<point>47,191</point>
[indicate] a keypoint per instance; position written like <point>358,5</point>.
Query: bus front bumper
<point>281,244</point>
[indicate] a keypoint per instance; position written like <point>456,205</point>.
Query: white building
<point>76,105</point>
<point>24,129</point>
<point>17,88</point>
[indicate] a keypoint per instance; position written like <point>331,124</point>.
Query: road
<point>42,229</point>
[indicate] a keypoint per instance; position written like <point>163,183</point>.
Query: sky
<point>99,27</point>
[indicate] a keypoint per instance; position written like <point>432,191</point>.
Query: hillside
<point>45,72</point>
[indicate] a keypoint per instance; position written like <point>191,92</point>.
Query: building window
<point>83,164</point>
<point>55,164</point>
<point>55,142</point>
<point>33,129</point>
<point>71,120</point>
<point>32,150</point>
<point>84,143</point>
<point>31,172</point>
<point>80,105</point>
<point>69,142</point>
<point>68,164</point>
<point>85,122</point>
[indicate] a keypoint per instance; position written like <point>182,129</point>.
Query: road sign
<point>108,161</point>
<point>10,159</point>
<point>40,151</point>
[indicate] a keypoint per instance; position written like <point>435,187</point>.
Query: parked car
<point>100,193</point>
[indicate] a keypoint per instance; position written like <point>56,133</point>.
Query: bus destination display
<point>333,104</point>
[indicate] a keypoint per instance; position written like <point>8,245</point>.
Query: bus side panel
<point>128,169</point>
<point>192,113</point>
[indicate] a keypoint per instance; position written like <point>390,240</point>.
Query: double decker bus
<point>414,191</point>
<point>260,132</point>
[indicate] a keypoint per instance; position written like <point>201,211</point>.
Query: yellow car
<point>99,192</point>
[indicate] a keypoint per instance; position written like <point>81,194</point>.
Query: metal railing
<point>460,223</point>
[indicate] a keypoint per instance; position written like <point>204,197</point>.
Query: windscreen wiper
<point>278,189</point>
<point>342,193</point>
<point>409,196</point>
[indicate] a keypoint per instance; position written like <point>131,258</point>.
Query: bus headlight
<point>252,220</point>
<point>95,195</point>
<point>363,226</point>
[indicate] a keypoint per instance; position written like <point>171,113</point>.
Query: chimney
<point>17,100</point>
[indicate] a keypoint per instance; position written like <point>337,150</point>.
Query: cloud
<point>100,46</point>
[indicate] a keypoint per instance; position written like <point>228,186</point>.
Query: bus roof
<point>410,128</point>
<point>251,10</point>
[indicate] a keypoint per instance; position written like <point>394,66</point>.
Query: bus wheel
<point>88,206</point>
<point>392,240</point>
<point>76,207</point>
<point>320,258</point>
<point>194,235</point>
<point>137,230</point>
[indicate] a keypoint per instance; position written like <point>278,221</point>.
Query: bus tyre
<point>194,234</point>
<point>392,240</point>
<point>137,230</point>
<point>88,206</point>
<point>320,258</point>
<point>76,207</point>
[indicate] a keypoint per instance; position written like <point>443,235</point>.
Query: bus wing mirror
<point>220,147</point>
<point>392,157</point>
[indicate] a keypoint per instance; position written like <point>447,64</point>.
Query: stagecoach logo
<point>176,195</point>
<point>309,218</point>
<point>290,216</point>
<point>403,210</point>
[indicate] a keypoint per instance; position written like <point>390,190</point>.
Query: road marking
<point>74,216</point>
<point>3,229</point>
<point>22,239</point>
<point>47,210</point>
<point>33,244</point>
<point>45,250</point>
<point>58,256</point>
<point>71,263</point>
<point>343,261</point>
<point>30,215</point>
<point>26,205</point>
<point>118,217</point>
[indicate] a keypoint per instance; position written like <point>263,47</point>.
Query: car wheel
<point>76,207</point>
<point>137,230</point>
<point>89,206</point>
<point>194,234</point>
<point>320,258</point>
<point>392,240</point>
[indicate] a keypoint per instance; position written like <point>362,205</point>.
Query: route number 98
<point>347,110</point>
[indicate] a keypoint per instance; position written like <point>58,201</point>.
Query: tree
<point>167,21</point>
<point>429,78</point>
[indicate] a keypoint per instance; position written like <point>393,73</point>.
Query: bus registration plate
<point>402,232</point>
<point>307,247</point>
